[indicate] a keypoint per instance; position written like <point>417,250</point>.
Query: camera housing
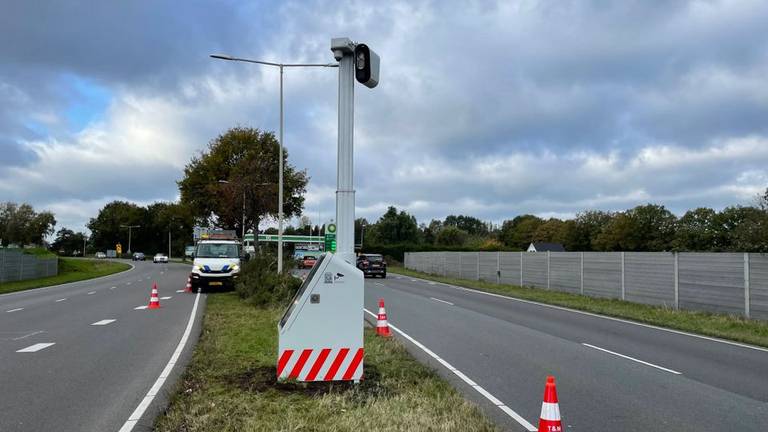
<point>366,66</point>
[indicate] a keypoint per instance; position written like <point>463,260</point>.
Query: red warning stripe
<point>284,357</point>
<point>336,364</point>
<point>319,362</point>
<point>353,366</point>
<point>300,364</point>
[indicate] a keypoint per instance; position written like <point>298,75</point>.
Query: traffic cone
<point>549,421</point>
<point>382,327</point>
<point>154,300</point>
<point>188,287</point>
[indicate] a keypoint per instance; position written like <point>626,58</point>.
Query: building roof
<point>548,247</point>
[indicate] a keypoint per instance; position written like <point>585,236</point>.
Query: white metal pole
<point>280,186</point>
<point>243,216</point>
<point>345,193</point>
<point>169,244</point>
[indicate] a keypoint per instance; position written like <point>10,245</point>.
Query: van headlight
<point>195,269</point>
<point>235,268</point>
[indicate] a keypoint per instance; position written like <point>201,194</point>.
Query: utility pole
<point>130,228</point>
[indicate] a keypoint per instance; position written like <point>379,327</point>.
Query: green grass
<point>40,252</point>
<point>230,385</point>
<point>723,326</point>
<point>70,270</point>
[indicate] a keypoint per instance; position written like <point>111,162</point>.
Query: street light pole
<point>130,227</point>
<point>281,143</point>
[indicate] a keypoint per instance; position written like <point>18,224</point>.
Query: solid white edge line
<point>632,358</point>
<point>36,347</point>
<point>651,326</point>
<point>441,301</point>
<point>150,396</point>
<point>504,408</point>
<point>68,283</point>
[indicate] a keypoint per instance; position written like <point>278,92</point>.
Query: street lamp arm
<point>231,58</point>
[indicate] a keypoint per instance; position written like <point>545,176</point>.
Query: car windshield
<point>374,258</point>
<point>309,257</point>
<point>217,250</point>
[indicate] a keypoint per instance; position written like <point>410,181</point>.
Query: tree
<point>551,231</point>
<point>394,227</point>
<point>471,225</point>
<point>741,229</point>
<point>581,232</point>
<point>248,160</point>
<point>645,228</point>
<point>68,241</point>
<point>452,236</point>
<point>106,228</point>
<point>520,231</point>
<point>696,230</point>
<point>21,225</point>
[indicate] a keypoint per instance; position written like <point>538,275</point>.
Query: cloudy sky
<point>484,108</point>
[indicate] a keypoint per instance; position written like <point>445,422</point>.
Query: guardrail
<point>16,266</point>
<point>733,283</point>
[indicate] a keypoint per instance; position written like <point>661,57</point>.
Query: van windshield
<point>217,250</point>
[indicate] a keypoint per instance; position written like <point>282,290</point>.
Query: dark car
<point>138,256</point>
<point>372,265</point>
<point>307,262</point>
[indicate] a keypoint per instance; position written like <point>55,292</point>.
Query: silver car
<point>160,258</point>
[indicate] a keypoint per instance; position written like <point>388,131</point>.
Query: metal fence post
<point>460,265</point>
<point>677,280</point>
<point>521,268</point>
<point>445,266</point>
<point>478,265</point>
<point>498,268</point>
<point>581,286</point>
<point>21,267</point>
<point>746,284</point>
<point>549,286</point>
<point>622,277</point>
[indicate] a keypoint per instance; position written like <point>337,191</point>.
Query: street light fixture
<point>281,66</point>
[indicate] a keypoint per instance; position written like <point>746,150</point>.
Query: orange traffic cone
<point>549,421</point>
<point>154,300</point>
<point>382,327</point>
<point>188,287</point>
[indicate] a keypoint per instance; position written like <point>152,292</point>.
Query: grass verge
<point>230,385</point>
<point>709,324</point>
<point>70,270</point>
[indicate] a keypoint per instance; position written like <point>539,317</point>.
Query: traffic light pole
<point>345,192</point>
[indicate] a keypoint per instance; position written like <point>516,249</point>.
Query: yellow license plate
<point>215,283</point>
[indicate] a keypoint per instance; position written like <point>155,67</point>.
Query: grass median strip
<point>70,270</point>
<point>729,327</point>
<point>230,385</point>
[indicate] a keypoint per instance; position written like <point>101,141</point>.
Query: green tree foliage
<point>20,224</point>
<point>581,232</point>
<point>452,235</point>
<point>471,225</point>
<point>741,229</point>
<point>696,230</point>
<point>394,227</point>
<point>647,227</point>
<point>68,241</point>
<point>248,159</point>
<point>519,232</point>
<point>551,231</point>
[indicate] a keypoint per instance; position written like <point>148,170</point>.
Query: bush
<point>260,285</point>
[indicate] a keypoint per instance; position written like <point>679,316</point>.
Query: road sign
<point>119,248</point>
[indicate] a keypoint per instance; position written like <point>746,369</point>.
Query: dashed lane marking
<point>441,301</point>
<point>140,307</point>
<point>36,347</point>
<point>103,322</point>
<point>28,335</point>
<point>14,310</point>
<point>166,298</point>
<point>60,300</point>
<point>179,291</point>
<point>499,404</point>
<point>112,288</point>
<point>633,359</point>
<point>92,292</point>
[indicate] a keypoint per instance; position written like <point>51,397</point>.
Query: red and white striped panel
<point>338,364</point>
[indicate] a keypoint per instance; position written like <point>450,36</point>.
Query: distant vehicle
<point>189,251</point>
<point>307,262</point>
<point>372,265</point>
<point>138,256</point>
<point>217,261</point>
<point>160,258</point>
<point>100,255</point>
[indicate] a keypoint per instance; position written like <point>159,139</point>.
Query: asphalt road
<point>97,371</point>
<point>508,348</point>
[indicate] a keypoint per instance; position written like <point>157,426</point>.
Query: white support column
<point>581,285</point>
<point>498,268</point>
<point>746,284</point>
<point>521,268</point>
<point>478,265</point>
<point>445,269</point>
<point>460,273</point>
<point>677,280</point>
<point>345,192</point>
<point>623,289</point>
<point>549,259</point>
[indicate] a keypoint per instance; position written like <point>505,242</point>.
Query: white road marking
<point>140,307</point>
<point>442,301</point>
<point>15,310</point>
<point>499,404</point>
<point>379,283</point>
<point>28,335</point>
<point>127,283</point>
<point>103,322</point>
<point>92,292</point>
<point>36,347</point>
<point>112,288</point>
<point>155,389</point>
<point>178,291</point>
<point>432,283</point>
<point>594,315</point>
<point>414,280</point>
<point>166,298</point>
<point>633,359</point>
<point>60,300</point>
<point>69,283</point>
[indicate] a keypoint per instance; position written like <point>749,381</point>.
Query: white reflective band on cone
<point>550,411</point>
<point>382,323</point>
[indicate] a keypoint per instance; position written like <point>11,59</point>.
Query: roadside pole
<point>345,192</point>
